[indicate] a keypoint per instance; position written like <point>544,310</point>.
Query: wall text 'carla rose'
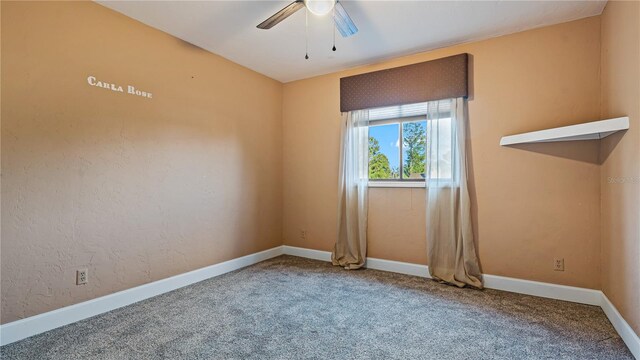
<point>91,80</point>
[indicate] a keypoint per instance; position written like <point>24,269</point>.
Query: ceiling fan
<point>343,22</point>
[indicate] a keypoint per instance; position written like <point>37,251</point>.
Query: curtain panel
<point>451,249</point>
<point>350,250</point>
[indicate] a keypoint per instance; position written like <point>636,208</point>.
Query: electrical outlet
<point>82,276</point>
<point>303,234</point>
<point>558,264</point>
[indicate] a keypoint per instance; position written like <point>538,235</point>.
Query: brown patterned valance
<point>431,80</point>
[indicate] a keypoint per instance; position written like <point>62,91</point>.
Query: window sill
<point>396,184</point>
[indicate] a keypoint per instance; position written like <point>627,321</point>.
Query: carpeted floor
<point>293,308</point>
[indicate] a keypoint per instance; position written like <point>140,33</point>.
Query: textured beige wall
<point>137,190</point>
<point>621,159</point>
<point>133,189</point>
<point>532,203</point>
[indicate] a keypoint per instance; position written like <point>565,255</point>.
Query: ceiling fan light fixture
<point>320,7</point>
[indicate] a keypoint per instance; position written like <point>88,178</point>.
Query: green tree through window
<point>397,150</point>
<point>378,162</point>
<point>414,141</point>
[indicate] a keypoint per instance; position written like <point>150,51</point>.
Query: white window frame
<point>412,114</point>
<point>396,184</point>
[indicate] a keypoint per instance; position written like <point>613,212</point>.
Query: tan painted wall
<point>532,203</point>
<point>621,159</point>
<point>137,190</point>
<point>133,189</point>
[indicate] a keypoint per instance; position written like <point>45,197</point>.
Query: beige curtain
<point>350,250</point>
<point>451,249</point>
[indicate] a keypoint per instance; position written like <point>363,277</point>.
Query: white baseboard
<point>622,327</point>
<point>306,253</point>
<point>371,263</point>
<point>542,289</point>
<point>34,325</point>
<point>552,291</point>
<point>520,286</point>
<point>398,267</point>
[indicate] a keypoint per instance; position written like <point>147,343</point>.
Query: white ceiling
<point>387,29</point>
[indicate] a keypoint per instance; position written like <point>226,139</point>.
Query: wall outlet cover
<point>82,276</point>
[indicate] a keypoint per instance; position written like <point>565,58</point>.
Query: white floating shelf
<point>587,131</point>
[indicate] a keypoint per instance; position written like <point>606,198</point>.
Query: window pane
<point>414,136</point>
<point>384,152</point>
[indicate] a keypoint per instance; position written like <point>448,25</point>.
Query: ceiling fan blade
<point>281,15</point>
<point>344,24</point>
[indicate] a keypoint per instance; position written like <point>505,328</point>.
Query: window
<point>384,154</point>
<point>397,150</point>
<point>398,145</point>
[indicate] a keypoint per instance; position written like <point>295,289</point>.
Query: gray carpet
<point>293,308</point>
